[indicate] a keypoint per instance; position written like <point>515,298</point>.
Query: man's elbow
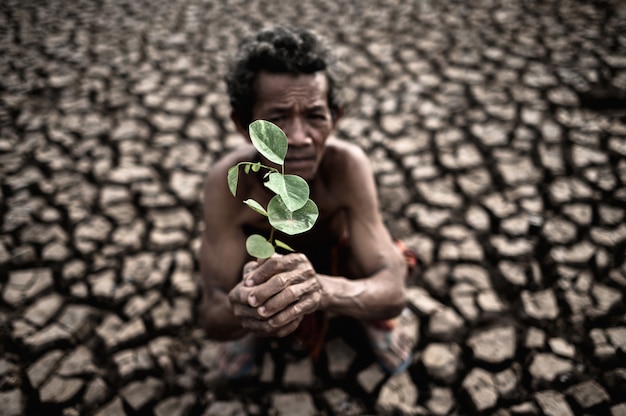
<point>400,301</point>
<point>397,301</point>
<point>399,297</point>
<point>205,321</point>
<point>216,332</point>
<point>213,332</point>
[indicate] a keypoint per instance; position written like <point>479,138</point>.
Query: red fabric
<point>409,256</point>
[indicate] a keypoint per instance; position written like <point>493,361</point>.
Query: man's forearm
<point>370,298</point>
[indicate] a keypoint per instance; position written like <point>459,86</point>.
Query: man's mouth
<point>298,162</point>
<point>298,159</point>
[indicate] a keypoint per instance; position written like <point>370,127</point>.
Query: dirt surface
<point>497,132</point>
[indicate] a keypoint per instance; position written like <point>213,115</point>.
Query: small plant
<point>289,211</point>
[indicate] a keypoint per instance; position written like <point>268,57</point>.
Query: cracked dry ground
<point>497,132</point>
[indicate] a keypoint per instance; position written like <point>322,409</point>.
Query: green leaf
<point>233,177</point>
<point>276,183</point>
<point>283,245</point>
<point>258,246</point>
<point>293,190</point>
<point>255,206</point>
<point>291,222</point>
<point>256,166</point>
<point>269,140</point>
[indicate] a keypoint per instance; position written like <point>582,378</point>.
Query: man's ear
<point>338,114</point>
<point>243,130</point>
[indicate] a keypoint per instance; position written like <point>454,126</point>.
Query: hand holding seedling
<point>276,293</point>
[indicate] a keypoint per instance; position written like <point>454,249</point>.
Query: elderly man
<point>347,265</point>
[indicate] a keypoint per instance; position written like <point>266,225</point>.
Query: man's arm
<point>222,256</point>
<point>380,293</point>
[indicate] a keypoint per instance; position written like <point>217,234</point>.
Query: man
<point>346,265</point>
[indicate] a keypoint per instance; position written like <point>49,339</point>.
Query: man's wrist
<point>325,292</point>
<point>333,289</point>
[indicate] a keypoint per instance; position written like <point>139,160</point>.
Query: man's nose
<point>298,134</point>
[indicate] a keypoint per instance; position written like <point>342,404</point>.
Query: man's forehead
<point>268,81</point>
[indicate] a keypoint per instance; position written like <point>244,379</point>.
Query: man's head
<point>282,50</point>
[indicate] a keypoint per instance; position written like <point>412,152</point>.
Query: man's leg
<point>237,358</point>
<point>393,341</point>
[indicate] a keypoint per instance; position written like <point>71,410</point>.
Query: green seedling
<point>290,210</point>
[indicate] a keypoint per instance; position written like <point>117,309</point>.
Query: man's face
<point>298,104</point>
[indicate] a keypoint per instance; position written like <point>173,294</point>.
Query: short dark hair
<point>280,49</point>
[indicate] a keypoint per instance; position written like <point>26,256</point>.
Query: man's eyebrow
<point>278,109</point>
<point>285,109</point>
<point>317,107</point>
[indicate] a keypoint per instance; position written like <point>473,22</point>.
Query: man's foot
<point>393,341</point>
<point>237,358</point>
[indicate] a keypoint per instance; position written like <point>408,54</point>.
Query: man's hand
<point>274,295</point>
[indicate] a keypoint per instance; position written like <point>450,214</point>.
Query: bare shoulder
<point>221,166</point>
<point>345,176</point>
<point>217,173</point>
<point>343,156</point>
<point>216,185</point>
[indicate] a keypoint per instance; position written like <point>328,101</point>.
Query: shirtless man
<point>284,75</point>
